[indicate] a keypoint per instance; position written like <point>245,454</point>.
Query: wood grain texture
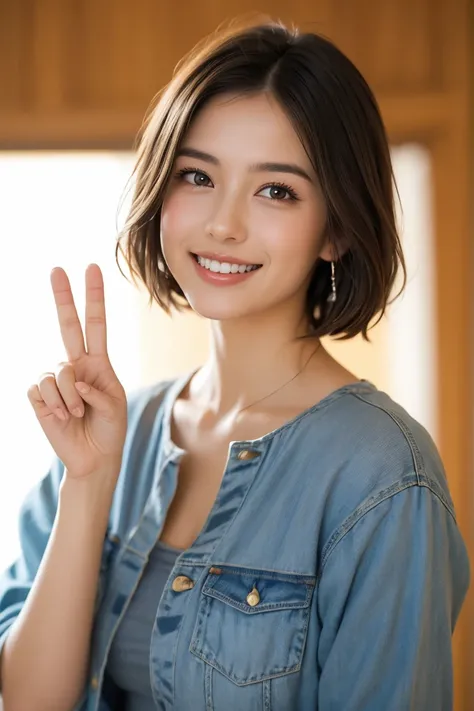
<point>16,31</point>
<point>82,55</point>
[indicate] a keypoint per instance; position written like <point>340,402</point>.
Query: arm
<point>82,409</point>
<point>36,520</point>
<point>47,597</point>
<point>390,593</point>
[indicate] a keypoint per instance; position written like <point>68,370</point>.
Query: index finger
<point>96,324</point>
<point>69,324</point>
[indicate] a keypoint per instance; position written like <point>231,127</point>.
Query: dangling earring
<point>333,295</point>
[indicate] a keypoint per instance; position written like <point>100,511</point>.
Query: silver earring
<point>333,295</point>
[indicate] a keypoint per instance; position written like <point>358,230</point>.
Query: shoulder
<point>143,453</point>
<point>367,448</point>
<point>146,407</point>
<point>387,437</point>
<point>146,401</point>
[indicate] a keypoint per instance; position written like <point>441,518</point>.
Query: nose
<point>227,223</point>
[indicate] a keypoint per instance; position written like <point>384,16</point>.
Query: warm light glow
<point>61,209</point>
<point>55,209</point>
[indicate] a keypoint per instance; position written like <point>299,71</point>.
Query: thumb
<point>95,398</point>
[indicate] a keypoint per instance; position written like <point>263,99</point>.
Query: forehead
<point>246,129</point>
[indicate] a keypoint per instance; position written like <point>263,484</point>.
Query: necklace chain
<point>280,387</point>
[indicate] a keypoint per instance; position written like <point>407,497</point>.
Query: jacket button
<point>181,583</point>
<point>253,598</point>
<point>248,454</point>
<point>95,683</point>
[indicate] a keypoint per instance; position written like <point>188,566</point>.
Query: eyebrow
<point>255,167</point>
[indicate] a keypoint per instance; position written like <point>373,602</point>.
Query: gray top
<point>129,658</point>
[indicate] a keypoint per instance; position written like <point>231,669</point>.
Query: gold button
<point>215,571</point>
<point>253,598</point>
<point>248,454</point>
<point>114,539</point>
<point>181,583</point>
<point>95,683</point>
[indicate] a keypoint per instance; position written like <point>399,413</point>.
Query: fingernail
<point>77,411</point>
<point>83,388</point>
<point>61,414</point>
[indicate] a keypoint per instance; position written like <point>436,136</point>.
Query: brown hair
<point>337,119</point>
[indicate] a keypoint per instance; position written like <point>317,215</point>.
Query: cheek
<point>175,218</point>
<point>182,220</point>
<point>295,238</point>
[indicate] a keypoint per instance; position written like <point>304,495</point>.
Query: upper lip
<point>223,258</point>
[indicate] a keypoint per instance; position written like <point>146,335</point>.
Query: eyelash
<point>291,192</point>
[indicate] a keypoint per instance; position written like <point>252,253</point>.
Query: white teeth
<point>225,267</point>
<point>216,266</point>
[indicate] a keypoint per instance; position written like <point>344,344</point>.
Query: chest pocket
<point>252,625</point>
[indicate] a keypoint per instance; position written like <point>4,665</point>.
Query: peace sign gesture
<point>81,406</point>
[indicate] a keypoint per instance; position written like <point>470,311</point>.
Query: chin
<point>216,311</point>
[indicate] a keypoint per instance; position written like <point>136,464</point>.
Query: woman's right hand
<point>82,406</point>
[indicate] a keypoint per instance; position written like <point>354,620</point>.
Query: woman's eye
<point>195,177</point>
<point>277,193</point>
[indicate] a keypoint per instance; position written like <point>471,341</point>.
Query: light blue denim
<point>128,661</point>
<point>343,523</point>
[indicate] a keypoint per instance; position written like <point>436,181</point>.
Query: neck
<point>249,358</point>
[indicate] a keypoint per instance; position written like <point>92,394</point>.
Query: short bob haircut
<point>336,117</point>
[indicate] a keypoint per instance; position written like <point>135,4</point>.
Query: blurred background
<point>76,77</point>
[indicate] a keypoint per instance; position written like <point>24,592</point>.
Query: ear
<point>329,253</point>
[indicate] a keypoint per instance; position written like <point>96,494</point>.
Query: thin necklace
<point>281,386</point>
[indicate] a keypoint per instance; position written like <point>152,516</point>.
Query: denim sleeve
<point>35,523</point>
<point>390,592</point>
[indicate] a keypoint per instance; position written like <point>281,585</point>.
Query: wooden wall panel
<point>394,54</point>
<point>67,59</point>
<point>15,56</point>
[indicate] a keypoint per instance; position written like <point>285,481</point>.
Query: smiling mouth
<point>213,265</point>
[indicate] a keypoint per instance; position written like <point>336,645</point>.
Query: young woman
<point>268,532</point>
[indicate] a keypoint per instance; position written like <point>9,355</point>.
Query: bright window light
<point>56,209</point>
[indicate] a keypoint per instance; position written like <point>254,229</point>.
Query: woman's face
<point>242,192</point>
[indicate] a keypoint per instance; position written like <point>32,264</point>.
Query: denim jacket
<point>328,576</point>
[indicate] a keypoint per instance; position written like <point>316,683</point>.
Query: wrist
<point>90,497</point>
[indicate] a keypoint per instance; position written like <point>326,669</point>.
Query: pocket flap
<point>275,591</point>
<point>231,633</point>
